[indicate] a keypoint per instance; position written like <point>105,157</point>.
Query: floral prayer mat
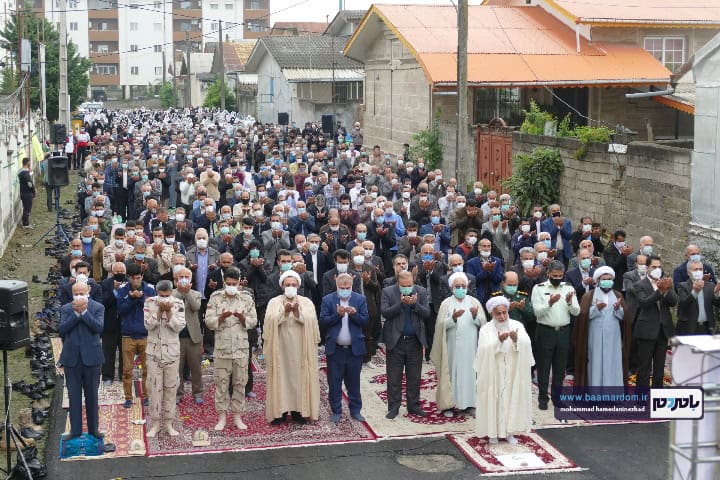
<point>532,454</point>
<point>260,434</point>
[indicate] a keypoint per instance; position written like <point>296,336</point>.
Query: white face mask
<point>525,228</point>
<point>695,275</point>
<point>342,267</point>
<point>656,273</point>
<point>485,254</point>
<point>179,217</point>
<point>642,269</point>
<point>80,297</point>
<point>412,234</point>
<point>537,214</point>
<point>359,259</point>
<point>202,243</point>
<point>290,292</point>
<point>528,264</point>
<point>471,240</point>
<point>231,290</point>
<point>83,278</point>
<point>368,253</point>
<point>542,256</point>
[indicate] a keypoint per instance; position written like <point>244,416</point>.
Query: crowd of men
<point>207,235</point>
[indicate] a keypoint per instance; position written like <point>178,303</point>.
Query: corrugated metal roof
<point>306,52</point>
<point>506,45</point>
<point>247,78</point>
<point>299,28</point>
<point>679,12</point>
<point>296,75</point>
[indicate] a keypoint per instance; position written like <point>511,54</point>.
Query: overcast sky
<point>317,10</point>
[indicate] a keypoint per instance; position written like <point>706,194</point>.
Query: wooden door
<point>494,162</point>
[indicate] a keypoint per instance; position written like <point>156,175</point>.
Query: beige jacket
<point>231,339</point>
<point>163,342</point>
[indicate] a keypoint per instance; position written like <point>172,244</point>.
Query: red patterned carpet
<point>260,434</point>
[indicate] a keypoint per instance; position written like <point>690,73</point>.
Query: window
<point>133,48</point>
<point>214,6</point>
<point>102,48</point>
<point>157,26</point>
<point>185,27</point>
<point>158,71</point>
<point>158,48</point>
<point>100,69</point>
<point>103,26</point>
<point>228,6</point>
<point>73,26</point>
<point>497,102</point>
<point>256,26</point>
<point>255,4</point>
<point>668,50</point>
<point>133,26</point>
<point>214,26</point>
<point>348,91</point>
<point>134,70</point>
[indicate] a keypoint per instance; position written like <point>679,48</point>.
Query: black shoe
<point>97,434</point>
<point>543,405</point>
<point>70,436</point>
<point>298,418</point>
<point>278,421</point>
<point>37,417</point>
<point>418,413</point>
<point>392,414</point>
<point>28,432</point>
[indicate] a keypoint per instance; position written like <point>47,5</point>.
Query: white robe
<point>461,338</point>
<point>504,385</point>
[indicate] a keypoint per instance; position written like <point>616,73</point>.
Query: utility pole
<point>163,45</point>
<point>19,55</point>
<point>222,69</point>
<point>187,78</point>
<point>462,138</point>
<point>63,108</point>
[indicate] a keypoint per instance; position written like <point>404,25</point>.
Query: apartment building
<point>132,43</point>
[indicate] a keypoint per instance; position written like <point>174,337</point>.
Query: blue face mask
<point>224,230</point>
<point>696,257</point>
<point>301,210</point>
<point>510,289</point>
<point>361,236</point>
<point>460,292</point>
<point>504,208</point>
<point>380,220</point>
<point>606,284</point>
<point>254,253</point>
<point>435,220</point>
<point>284,267</point>
<point>585,263</point>
<point>140,257</point>
<point>87,240</point>
<point>457,268</point>
<point>547,242</point>
<point>647,250</point>
<point>344,293</point>
<point>427,257</point>
<point>406,290</point>
<point>496,218</point>
<point>76,253</point>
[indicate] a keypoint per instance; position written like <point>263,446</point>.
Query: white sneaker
<point>512,440</point>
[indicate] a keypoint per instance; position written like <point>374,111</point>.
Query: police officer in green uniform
<point>520,305</point>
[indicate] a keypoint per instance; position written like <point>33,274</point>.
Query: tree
<point>426,144</point>
<point>212,97</point>
<point>9,80</point>
<point>168,97</point>
<point>38,30</point>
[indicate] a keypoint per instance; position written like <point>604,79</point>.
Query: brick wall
<point>645,192</point>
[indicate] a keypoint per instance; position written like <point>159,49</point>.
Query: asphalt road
<point>637,451</point>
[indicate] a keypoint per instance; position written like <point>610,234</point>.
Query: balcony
<point>103,13</point>
<point>103,35</point>
<point>195,36</point>
<point>104,80</point>
<point>186,13</point>
<point>105,57</point>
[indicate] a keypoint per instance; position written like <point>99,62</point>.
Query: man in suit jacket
<point>111,336</point>
<point>148,266</point>
<point>581,277</point>
<point>655,295</point>
<point>80,271</point>
<point>696,298</point>
<point>405,307</point>
<point>81,323</point>
<point>343,315</point>
<point>557,224</point>
<point>274,239</point>
<point>615,255</point>
<point>342,265</point>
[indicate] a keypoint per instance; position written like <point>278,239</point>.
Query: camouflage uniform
<point>232,351</point>
<point>163,259</point>
<point>163,355</point>
<point>111,250</point>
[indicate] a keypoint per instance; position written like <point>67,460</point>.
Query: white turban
<point>599,272</point>
<point>290,273</point>
<point>455,276</point>
<point>495,302</point>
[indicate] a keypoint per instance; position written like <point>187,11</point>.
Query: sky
<point>318,10</point>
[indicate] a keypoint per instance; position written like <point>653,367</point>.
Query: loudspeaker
<point>328,124</point>
<point>58,133</point>
<point>14,324</point>
<point>283,118</point>
<point>58,171</point>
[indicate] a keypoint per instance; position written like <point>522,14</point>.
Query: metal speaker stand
<point>58,227</point>
<point>10,432</point>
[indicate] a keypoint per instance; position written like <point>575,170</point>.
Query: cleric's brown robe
<point>580,339</point>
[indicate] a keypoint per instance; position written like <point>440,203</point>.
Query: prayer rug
<point>121,426</point>
<point>260,434</point>
<point>532,454</point>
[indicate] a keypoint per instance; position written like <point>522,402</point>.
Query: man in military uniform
<point>164,319</point>
<point>553,302</point>
<point>160,251</point>
<point>118,250</point>
<point>520,306</point>
<point>231,313</point>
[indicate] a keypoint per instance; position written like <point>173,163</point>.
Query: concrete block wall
<point>644,192</point>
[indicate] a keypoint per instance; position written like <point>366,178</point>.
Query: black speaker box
<point>14,323</point>
<point>59,133</point>
<point>328,124</point>
<point>283,118</point>
<point>58,171</point>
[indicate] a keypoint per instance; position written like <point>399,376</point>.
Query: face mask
<point>231,290</point>
<point>542,256</point>
<point>525,228</point>
<point>227,216</point>
<point>83,278</point>
<point>359,259</point>
<point>170,240</point>
<point>656,273</point>
<point>547,243</point>
<point>202,243</point>
<point>460,292</point>
<point>555,281</point>
<point>345,207</point>
<point>496,218</point>
<point>528,264</point>
<point>179,217</point>
<point>642,269</point>
<point>302,210</point>
<point>140,257</point>
<point>510,289</point>
<point>412,234</point>
<point>427,257</point>
<point>586,227</point>
<point>537,214</point>
<point>87,240</point>
<point>313,247</point>
<point>696,257</point>
<point>276,225</point>
<point>248,232</point>
<point>209,208</point>
<point>485,254</point>
<point>342,267</point>
<point>406,290</point>
<point>647,250</point>
<point>254,253</point>
<point>619,245</point>
<point>406,194</point>
<point>585,263</point>
<point>435,220</point>
<point>290,292</point>
<point>461,205</point>
<point>344,293</point>
<point>177,268</point>
<point>361,236</point>
<point>380,220</point>
<point>284,267</point>
<point>457,268</point>
<point>695,274</point>
<point>606,285</point>
<point>224,230</point>
<point>145,194</point>
<point>184,282</point>
<point>257,213</point>
<point>80,298</point>
<point>76,253</point>
<point>471,240</point>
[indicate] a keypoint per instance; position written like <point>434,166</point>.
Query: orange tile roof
<point>511,46</point>
<point>236,54</point>
<point>641,12</point>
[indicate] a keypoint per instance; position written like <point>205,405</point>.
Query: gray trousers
<point>407,355</point>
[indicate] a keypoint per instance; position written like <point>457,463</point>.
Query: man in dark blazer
<point>111,336</point>
<point>581,277</point>
<point>81,324</point>
<point>81,274</point>
<point>405,307</point>
<point>559,224</point>
<point>696,298</point>
<point>342,265</point>
<point>615,256</point>
<point>317,262</point>
<point>343,315</point>
<point>654,326</point>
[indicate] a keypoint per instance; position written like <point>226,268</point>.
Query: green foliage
<point>535,179</point>
<point>9,81</point>
<point>39,29</point>
<point>212,97</point>
<point>168,98</point>
<point>564,128</point>
<point>535,119</point>
<point>426,144</point>
<point>587,135</point>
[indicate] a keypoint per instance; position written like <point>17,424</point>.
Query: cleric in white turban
<point>454,345</point>
<point>504,386</point>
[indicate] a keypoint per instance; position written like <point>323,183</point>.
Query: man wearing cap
<point>504,387</point>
